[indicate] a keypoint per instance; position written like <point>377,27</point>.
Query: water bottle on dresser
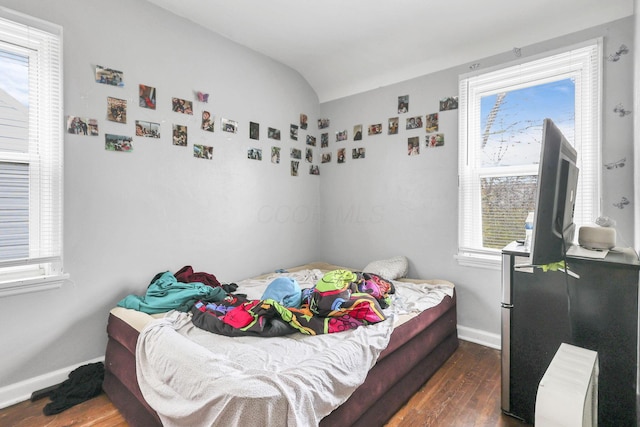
<point>528,231</point>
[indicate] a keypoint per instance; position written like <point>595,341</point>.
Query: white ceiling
<point>343,47</point>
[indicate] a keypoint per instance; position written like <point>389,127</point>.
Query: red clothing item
<point>240,316</point>
<point>186,275</point>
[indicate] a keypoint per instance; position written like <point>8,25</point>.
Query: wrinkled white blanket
<point>192,377</point>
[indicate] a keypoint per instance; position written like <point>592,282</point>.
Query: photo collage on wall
<point>430,123</point>
<point>410,122</point>
<point>117,112</point>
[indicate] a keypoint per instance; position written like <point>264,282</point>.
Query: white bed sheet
<point>209,379</point>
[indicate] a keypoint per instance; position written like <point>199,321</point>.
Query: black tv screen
<point>553,228</point>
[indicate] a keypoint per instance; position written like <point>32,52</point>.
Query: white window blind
<point>14,211</point>
<point>579,64</point>
<point>31,154</point>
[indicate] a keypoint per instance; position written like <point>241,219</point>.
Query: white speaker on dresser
<point>568,392</point>
<point>597,237</point>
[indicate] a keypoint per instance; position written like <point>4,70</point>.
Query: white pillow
<point>390,269</point>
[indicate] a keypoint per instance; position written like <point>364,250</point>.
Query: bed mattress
<point>418,346</point>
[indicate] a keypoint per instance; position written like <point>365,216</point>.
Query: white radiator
<point>568,392</point>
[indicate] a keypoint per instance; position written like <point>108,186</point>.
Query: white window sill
<point>34,284</point>
<point>491,261</point>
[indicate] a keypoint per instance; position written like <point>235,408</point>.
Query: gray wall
<point>636,120</point>
<point>131,215</point>
<point>393,204</point>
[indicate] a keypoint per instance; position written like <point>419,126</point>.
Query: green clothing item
<point>555,266</point>
<point>166,294</point>
<point>336,280</point>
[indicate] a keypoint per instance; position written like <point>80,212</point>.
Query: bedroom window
<point>501,114</point>
<point>31,154</point>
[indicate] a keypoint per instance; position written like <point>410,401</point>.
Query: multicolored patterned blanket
<point>341,300</point>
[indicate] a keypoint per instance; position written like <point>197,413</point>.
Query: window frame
<point>41,42</point>
<point>583,62</point>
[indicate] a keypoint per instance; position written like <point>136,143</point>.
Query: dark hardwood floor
<point>464,392</point>
<point>97,412</point>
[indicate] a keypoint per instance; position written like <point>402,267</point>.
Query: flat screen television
<point>553,227</point>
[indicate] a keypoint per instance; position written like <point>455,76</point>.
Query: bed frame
<point>416,350</point>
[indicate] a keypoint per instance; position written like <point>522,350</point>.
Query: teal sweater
<point>166,293</point>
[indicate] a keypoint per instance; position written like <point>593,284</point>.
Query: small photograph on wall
<point>308,155</point>
<point>341,155</point>
<point>273,133</point>
<point>341,136</point>
<point>403,104</point>
<point>314,170</point>
<point>294,167</point>
<point>311,140</point>
<point>180,135</point>
<point>208,121</point>
<point>147,97</point>
<point>431,124</point>
<point>357,133</point>
<point>393,126</point>
<point>254,154</point>
<point>375,129</point>
<point>293,132</point>
<point>108,76</point>
<point>180,105</point>
<point>436,140</point>
<point>324,140</point>
<point>202,152</point>
<point>275,155</point>
<point>303,121</point>
<point>358,153</point>
<point>229,125</point>
<point>449,103</point>
<point>254,130</point>
<point>414,122</point>
<point>147,129</point>
<point>323,123</point>
<point>326,157</point>
<point>413,146</point>
<point>295,153</point>
<point>117,110</point>
<point>82,126</point>
<point>118,143</point>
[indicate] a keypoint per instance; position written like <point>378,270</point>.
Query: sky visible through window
<point>14,76</point>
<point>515,135</point>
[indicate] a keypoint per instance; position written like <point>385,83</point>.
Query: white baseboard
<point>19,392</point>
<point>480,337</point>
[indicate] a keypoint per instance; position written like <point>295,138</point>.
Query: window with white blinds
<point>501,114</point>
<point>31,153</point>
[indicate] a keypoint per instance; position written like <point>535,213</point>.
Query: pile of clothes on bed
<point>341,300</point>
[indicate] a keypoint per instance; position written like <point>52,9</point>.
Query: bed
<point>411,345</point>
